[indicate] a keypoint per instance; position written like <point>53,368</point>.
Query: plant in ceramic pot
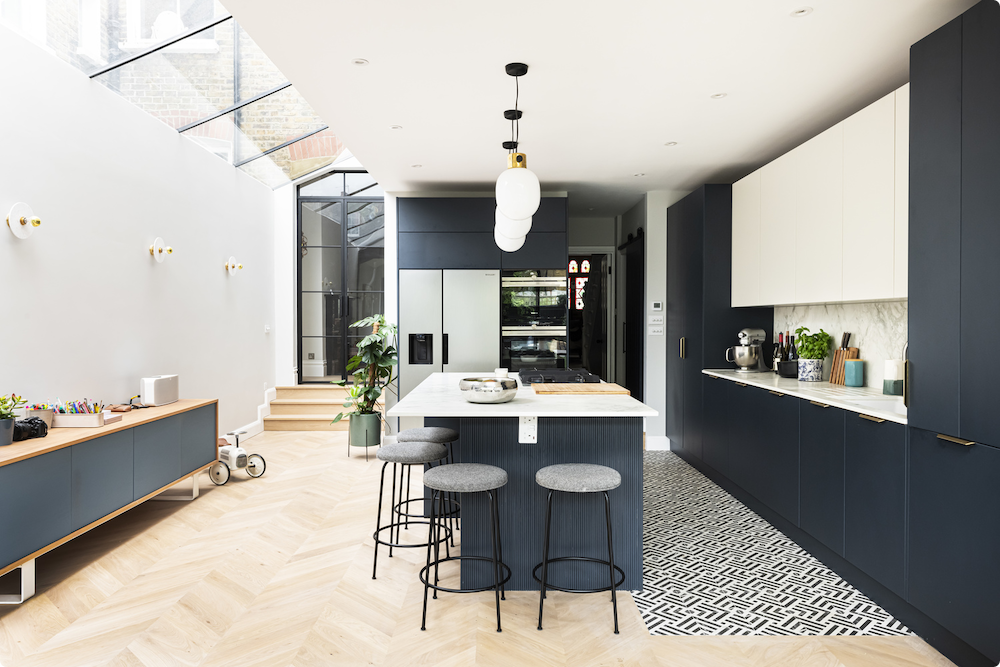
<point>374,369</point>
<point>812,349</point>
<point>8,404</point>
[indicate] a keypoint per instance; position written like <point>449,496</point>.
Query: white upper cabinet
<point>902,191</point>
<point>746,240</point>
<point>870,201</point>
<point>829,218</point>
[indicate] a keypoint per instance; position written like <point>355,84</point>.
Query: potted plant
<point>812,349</point>
<point>7,406</point>
<point>374,369</point>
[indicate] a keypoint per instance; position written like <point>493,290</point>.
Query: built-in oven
<point>533,299</point>
<point>533,347</point>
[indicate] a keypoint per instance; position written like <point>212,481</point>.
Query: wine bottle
<point>794,354</point>
<point>788,347</point>
<point>778,350</point>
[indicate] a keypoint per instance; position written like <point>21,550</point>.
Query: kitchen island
<point>588,428</point>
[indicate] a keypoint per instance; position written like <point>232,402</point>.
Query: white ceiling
<point>609,83</point>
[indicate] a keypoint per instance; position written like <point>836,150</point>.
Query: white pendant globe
<point>518,193</point>
<point>512,229</point>
<point>506,244</point>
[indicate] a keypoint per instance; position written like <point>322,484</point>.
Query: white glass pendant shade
<point>506,244</point>
<point>518,193</point>
<point>512,229</point>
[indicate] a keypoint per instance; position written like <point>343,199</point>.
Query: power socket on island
<point>527,430</point>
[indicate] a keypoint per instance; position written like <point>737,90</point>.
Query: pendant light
<point>518,191</point>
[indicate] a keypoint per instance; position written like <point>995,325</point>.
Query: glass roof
<point>190,64</point>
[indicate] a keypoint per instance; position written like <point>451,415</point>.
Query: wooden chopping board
<point>579,388</point>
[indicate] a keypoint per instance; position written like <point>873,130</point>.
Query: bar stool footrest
<point>424,570</point>
<point>583,559</point>
<point>407,545</point>
<point>454,511</point>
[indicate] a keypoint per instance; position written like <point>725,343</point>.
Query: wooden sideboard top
<point>66,437</point>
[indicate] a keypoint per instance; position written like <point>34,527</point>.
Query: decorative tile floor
<point>714,567</point>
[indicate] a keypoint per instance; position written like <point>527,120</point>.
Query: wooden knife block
<point>839,357</point>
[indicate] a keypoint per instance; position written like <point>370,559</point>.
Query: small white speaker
<point>159,390</point>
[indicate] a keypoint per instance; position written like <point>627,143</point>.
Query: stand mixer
<point>749,354</point>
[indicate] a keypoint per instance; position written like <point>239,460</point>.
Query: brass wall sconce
<point>232,266</point>
<point>22,221</point>
<point>158,250</point>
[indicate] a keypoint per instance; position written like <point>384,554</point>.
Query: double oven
<point>533,316</point>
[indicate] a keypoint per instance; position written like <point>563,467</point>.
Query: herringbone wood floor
<point>277,571</point>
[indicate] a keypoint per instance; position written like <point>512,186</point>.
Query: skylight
<point>190,64</point>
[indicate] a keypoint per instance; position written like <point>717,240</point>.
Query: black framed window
<point>341,271</point>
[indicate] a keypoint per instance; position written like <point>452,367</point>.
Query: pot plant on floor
<point>8,404</point>
<point>812,349</point>
<point>374,368</point>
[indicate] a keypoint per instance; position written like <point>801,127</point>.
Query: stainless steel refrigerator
<point>449,320</point>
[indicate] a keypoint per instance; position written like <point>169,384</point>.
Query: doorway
<point>591,329</point>
<point>633,253</point>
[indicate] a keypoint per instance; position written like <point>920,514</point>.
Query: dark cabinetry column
<point>778,454</point>
<point>821,451</point>
<point>954,537</point>
<point>716,431</point>
<point>875,486</point>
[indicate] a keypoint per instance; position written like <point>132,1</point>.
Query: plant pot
<point>6,431</point>
<point>364,430</point>
<point>810,370</point>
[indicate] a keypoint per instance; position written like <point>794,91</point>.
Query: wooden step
<point>303,423</point>
<point>328,391</point>
<point>309,406</point>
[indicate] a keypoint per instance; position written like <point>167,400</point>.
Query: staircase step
<point>303,423</point>
<point>311,391</point>
<point>308,406</point>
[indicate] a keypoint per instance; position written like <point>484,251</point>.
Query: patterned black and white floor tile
<point>713,567</point>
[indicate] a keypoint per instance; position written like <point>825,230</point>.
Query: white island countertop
<point>863,400</point>
<point>439,396</point>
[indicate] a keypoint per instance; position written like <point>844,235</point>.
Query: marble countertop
<point>439,396</point>
<point>863,400</point>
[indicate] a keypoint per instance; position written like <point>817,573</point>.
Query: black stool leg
<point>496,565</point>
<point>408,469</point>
<point>545,558</point>
<point>430,541</point>
<point>611,558</point>
<point>399,517</point>
<point>496,510</point>
<point>452,498</point>
<point>378,517</point>
<point>392,507</point>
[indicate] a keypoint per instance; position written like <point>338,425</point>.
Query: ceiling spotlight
<point>395,127</point>
<point>801,11</point>
<point>361,62</point>
<point>416,166</point>
<point>639,174</point>
<point>670,143</point>
<point>718,96</point>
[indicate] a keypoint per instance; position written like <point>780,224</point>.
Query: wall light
<point>232,267</point>
<point>22,221</point>
<point>158,250</point>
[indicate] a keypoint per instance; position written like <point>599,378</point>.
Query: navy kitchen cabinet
<point>102,475</point>
<point>777,454</point>
<point>954,537</point>
<point>157,459</point>
<point>445,214</point>
<point>445,250</point>
<point>541,250</point>
<point>821,470</point>
<point>875,508</point>
<point>745,433</point>
<point>715,437</point>
<point>980,233</point>
<point>935,237</point>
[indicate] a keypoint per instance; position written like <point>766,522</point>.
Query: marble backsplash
<point>878,330</point>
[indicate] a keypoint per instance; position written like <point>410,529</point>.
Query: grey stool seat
<point>578,478</point>
<point>465,478</point>
<point>428,434</point>
<point>412,452</point>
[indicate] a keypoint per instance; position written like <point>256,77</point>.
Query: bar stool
<point>404,455</point>
<point>444,436</point>
<point>464,478</point>
<point>578,478</point>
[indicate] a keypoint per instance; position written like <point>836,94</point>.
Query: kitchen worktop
<point>863,400</point>
<point>439,396</point>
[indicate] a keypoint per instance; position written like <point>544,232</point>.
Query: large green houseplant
<point>374,368</point>
<point>8,404</point>
<point>812,349</point>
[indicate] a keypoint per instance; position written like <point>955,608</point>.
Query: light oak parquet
<point>276,572</point>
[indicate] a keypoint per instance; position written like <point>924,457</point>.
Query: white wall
<point>656,290</point>
<point>87,311</point>
<point>286,371</point>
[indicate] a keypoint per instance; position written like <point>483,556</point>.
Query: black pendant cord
<point>515,126</point>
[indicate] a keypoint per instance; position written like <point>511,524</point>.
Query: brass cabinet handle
<point>740,384</point>
<point>776,393</point>
<point>683,352</point>
<point>822,405</point>
<point>957,441</point>
<point>872,419</point>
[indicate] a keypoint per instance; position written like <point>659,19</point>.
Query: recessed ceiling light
<point>416,166</point>
<point>395,127</point>
<point>670,143</point>
<point>639,174</point>
<point>801,11</point>
<point>359,61</point>
<point>718,96</point>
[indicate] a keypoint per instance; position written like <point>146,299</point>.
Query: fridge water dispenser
<point>421,348</point>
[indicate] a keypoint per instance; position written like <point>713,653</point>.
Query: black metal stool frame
<point>434,539</point>
<point>546,560</point>
<point>394,512</point>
